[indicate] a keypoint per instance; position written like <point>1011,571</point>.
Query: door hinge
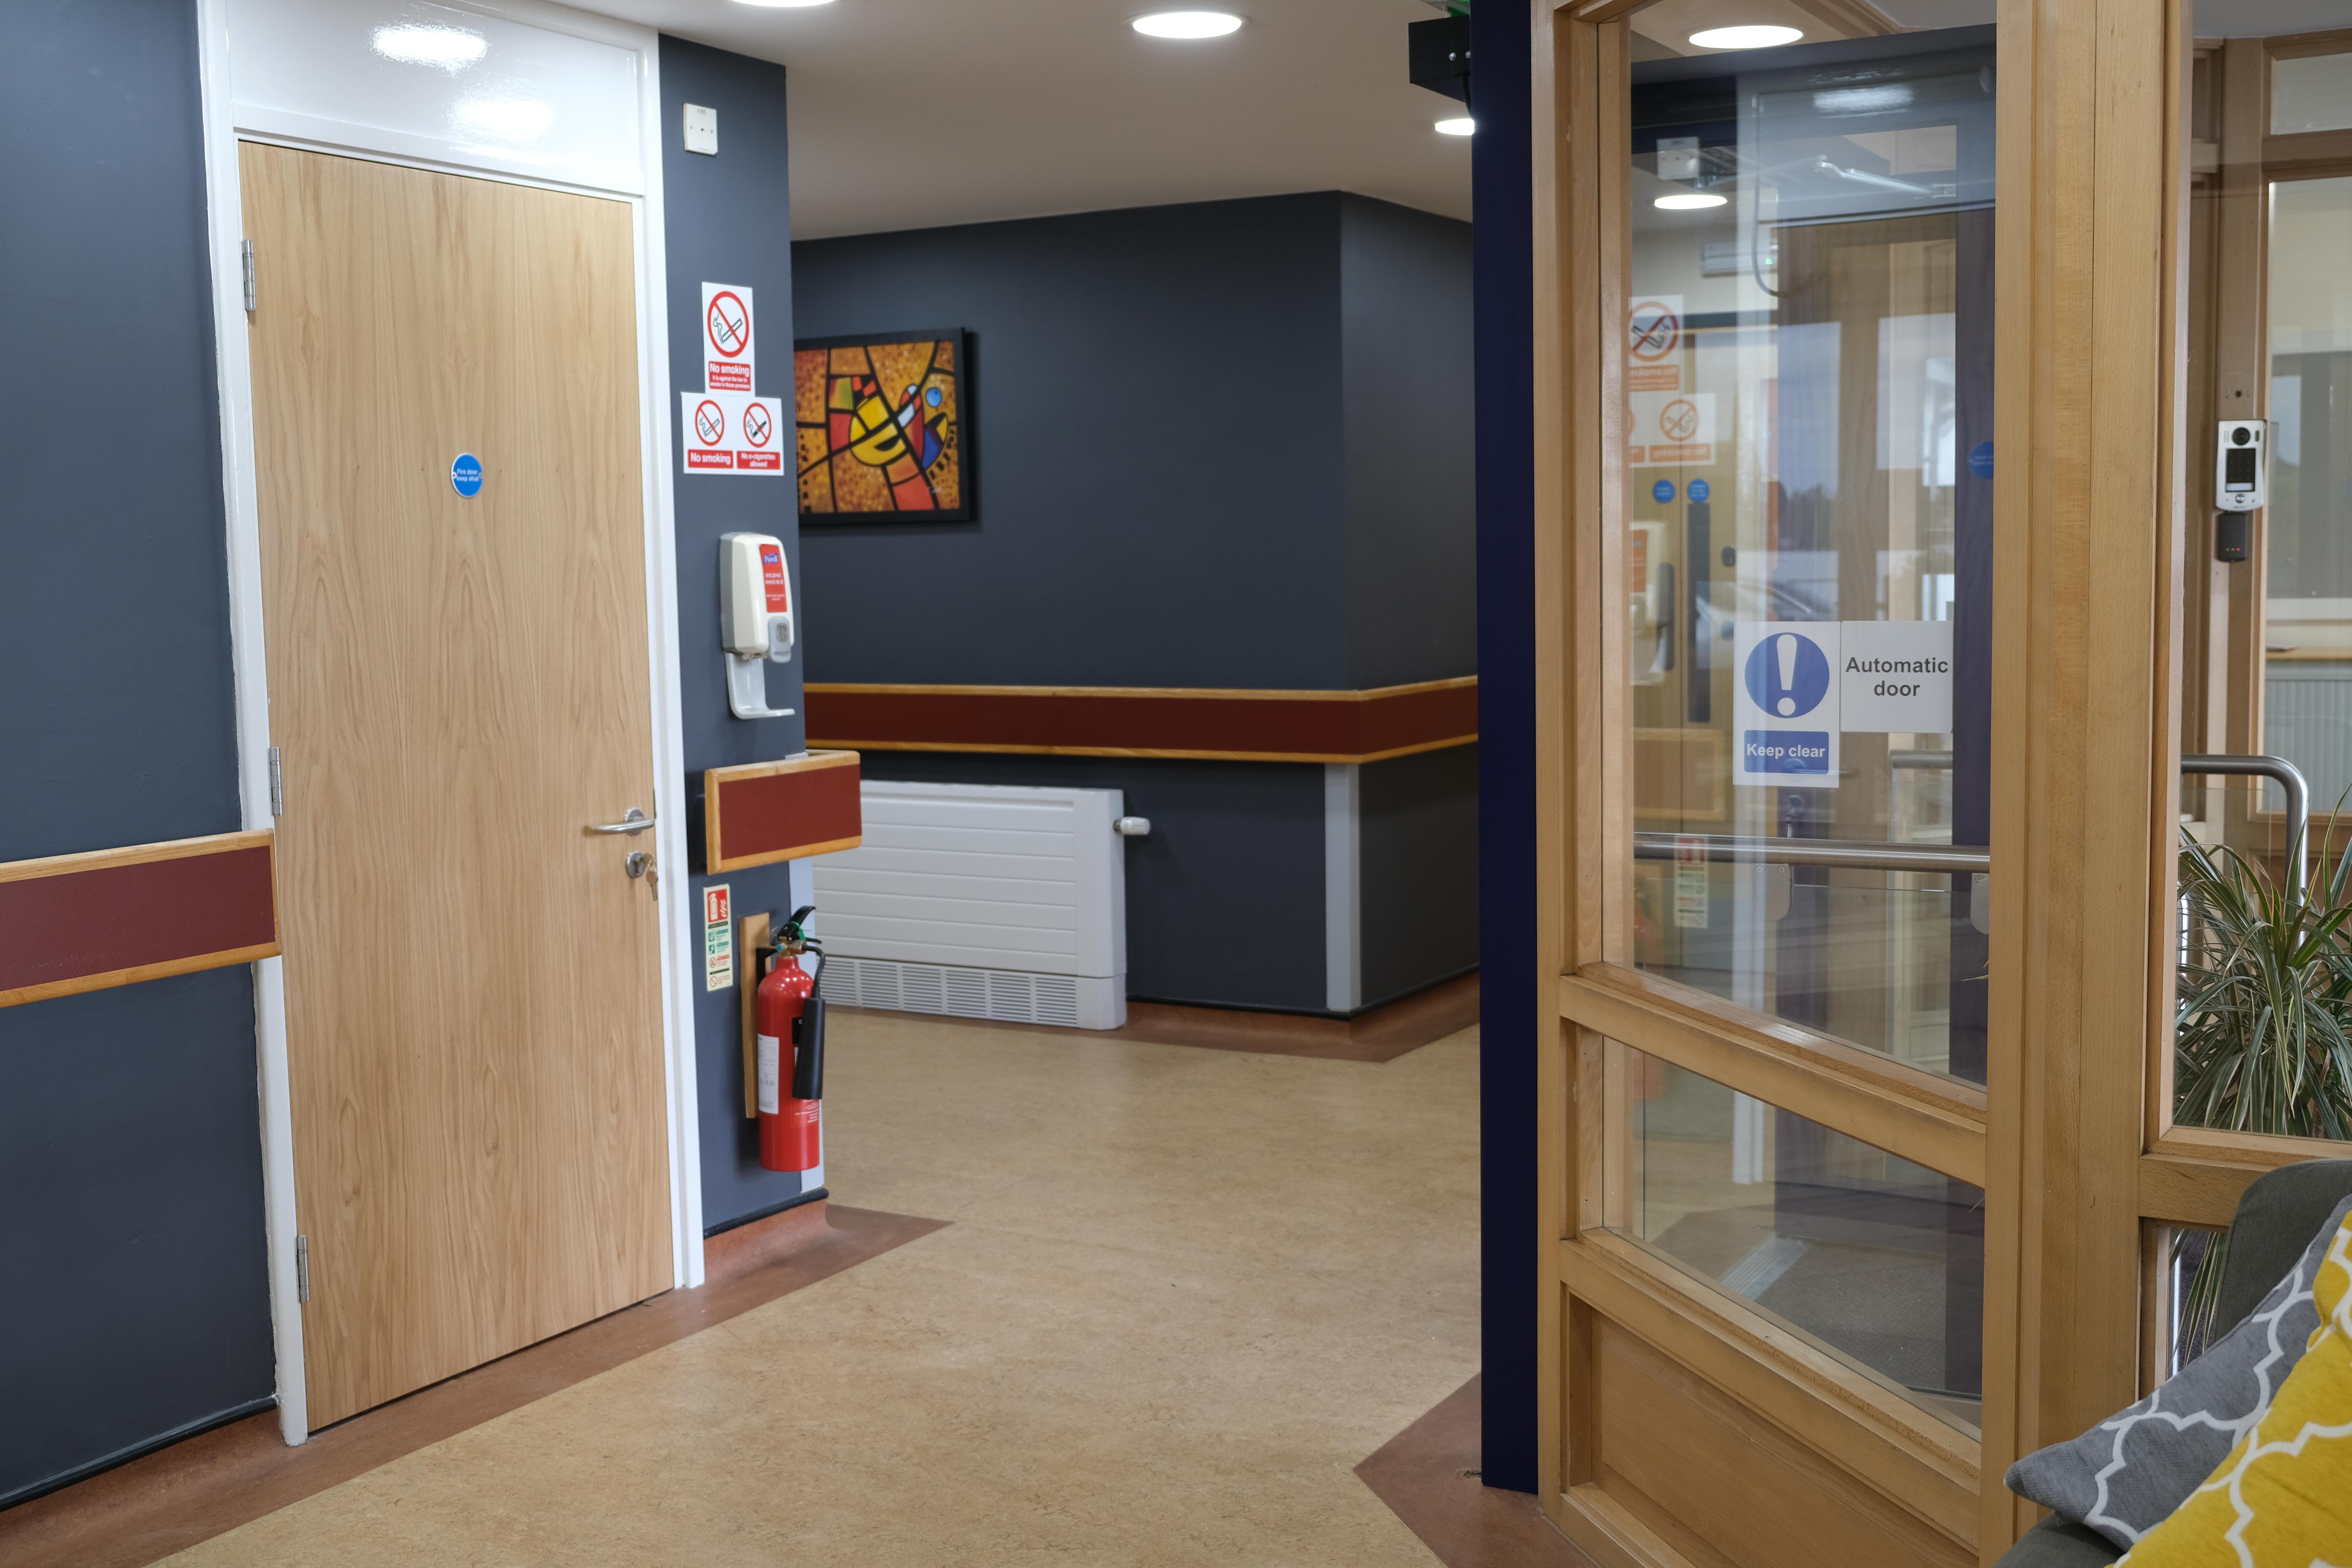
<point>302,1269</point>
<point>245,250</point>
<point>277,784</point>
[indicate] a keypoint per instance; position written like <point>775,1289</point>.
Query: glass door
<point>1808,475</point>
<point>1856,762</point>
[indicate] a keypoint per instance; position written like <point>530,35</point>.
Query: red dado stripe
<point>1241,725</point>
<point>80,922</point>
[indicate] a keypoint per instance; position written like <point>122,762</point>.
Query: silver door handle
<point>632,824</point>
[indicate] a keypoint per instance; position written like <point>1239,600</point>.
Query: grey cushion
<point>2278,1215</point>
<point>2127,1474</point>
<point>2058,1542</point>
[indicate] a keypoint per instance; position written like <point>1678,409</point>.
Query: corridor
<point>1180,1294</point>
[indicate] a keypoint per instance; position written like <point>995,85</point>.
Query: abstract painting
<point>881,428</point>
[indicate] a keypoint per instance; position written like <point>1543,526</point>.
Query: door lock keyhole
<point>638,861</point>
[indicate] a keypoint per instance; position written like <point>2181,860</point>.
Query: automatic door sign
<point>726,338</point>
<point>1785,703</point>
<point>1670,428</point>
<point>731,433</point>
<point>1897,676</point>
<point>1653,340</point>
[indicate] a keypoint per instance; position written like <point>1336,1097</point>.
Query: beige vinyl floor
<point>1184,1292</point>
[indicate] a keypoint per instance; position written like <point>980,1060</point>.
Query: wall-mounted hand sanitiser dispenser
<point>755,619</point>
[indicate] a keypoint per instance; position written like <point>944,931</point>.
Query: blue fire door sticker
<point>1664,491</point>
<point>465,474</point>
<point>1699,491</point>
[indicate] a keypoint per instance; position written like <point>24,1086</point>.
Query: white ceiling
<point>909,113</point>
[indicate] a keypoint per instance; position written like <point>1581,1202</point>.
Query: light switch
<point>701,130</point>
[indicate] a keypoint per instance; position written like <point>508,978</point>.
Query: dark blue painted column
<point>1500,183</point>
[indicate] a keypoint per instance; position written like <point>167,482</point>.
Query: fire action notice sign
<point>1797,685</point>
<point>725,429</point>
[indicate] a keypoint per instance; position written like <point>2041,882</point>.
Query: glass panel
<point>2312,94</point>
<point>2307,669</point>
<point>1809,365</point>
<point>1874,1258</point>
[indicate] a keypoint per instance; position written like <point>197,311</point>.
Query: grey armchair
<point>2275,1221</point>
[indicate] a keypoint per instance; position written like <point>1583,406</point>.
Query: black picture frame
<point>957,444</point>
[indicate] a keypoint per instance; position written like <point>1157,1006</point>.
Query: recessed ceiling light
<point>1753,38</point>
<point>1187,24</point>
<point>450,49</point>
<point>1459,127</point>
<point>772,3</point>
<point>1687,201</point>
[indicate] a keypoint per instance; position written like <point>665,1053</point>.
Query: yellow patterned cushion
<point>2284,1496</point>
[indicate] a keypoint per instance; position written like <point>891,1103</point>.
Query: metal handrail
<point>1849,854</point>
<point>2289,778</point>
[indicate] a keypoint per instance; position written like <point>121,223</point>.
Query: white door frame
<point>226,124</point>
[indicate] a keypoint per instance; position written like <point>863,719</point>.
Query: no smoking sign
<point>727,338</point>
<point>730,433</point>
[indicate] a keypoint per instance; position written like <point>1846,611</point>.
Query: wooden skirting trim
<point>115,916</point>
<point>760,813</point>
<point>212,1483</point>
<point>1380,1033</point>
<point>1215,724</point>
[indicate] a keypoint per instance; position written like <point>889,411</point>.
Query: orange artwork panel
<point>880,427</point>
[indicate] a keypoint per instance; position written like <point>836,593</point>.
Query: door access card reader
<point>755,619</point>
<point>2241,466</point>
<point>2241,484</point>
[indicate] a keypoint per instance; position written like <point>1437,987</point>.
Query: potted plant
<point>2262,1038</point>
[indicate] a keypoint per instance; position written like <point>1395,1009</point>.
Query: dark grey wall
<point>1219,444</point>
<point>1405,383</point>
<point>1156,439</point>
<point>1224,898</point>
<point>136,1302</point>
<point>1417,854</point>
<point>728,220</point>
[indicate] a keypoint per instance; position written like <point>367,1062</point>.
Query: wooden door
<point>459,690</point>
<point>1877,1006</point>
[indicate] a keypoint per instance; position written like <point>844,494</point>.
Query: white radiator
<point>979,901</point>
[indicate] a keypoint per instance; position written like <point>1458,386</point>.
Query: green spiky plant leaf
<point>2263,1037</point>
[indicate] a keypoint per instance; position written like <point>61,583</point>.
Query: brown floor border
<point>1428,1475</point>
<point>213,1482</point>
<point>1380,1034</point>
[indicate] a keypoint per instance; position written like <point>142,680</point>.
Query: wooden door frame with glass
<point>2236,155</point>
<point>2193,1176</point>
<point>589,71</point>
<point>1791,1452</point>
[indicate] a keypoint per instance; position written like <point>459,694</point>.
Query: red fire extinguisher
<point>791,1052</point>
